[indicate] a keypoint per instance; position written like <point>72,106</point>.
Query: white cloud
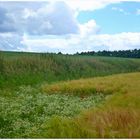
<point>138,12</point>
<point>70,43</point>
<point>51,20</point>
<point>74,43</point>
<point>10,42</point>
<point>120,10</point>
<point>37,19</point>
<point>122,41</point>
<point>66,43</point>
<point>89,28</point>
<point>28,13</point>
<point>90,5</point>
<point>84,5</point>
<point>54,19</point>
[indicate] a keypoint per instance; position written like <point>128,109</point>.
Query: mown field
<point>63,96</point>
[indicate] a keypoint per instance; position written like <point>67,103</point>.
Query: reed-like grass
<point>18,69</point>
<point>25,112</point>
<point>119,117</point>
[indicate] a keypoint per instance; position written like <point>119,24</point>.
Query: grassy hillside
<point>119,116</point>
<point>18,69</point>
<point>85,108</point>
<point>41,98</point>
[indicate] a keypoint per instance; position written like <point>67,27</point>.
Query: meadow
<point>65,96</point>
<point>117,117</point>
<point>18,69</point>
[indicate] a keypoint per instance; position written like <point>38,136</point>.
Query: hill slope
<point>34,104</point>
<point>118,117</point>
<point>30,69</point>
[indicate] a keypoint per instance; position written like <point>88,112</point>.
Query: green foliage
<point>59,127</point>
<point>121,53</point>
<point>27,110</point>
<point>18,69</point>
<point>1,63</point>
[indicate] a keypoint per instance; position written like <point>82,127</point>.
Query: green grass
<point>18,69</point>
<point>74,110</point>
<point>41,98</point>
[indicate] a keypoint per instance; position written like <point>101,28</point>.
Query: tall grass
<point>30,69</point>
<point>118,117</point>
<point>27,112</point>
<point>115,123</point>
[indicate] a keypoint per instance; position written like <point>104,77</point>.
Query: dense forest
<point>121,53</point>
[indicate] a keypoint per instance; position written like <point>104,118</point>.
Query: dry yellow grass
<point>122,83</point>
<point>119,116</point>
<point>111,123</point>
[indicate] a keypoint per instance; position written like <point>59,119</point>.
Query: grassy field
<point>118,117</point>
<point>18,69</point>
<point>86,108</point>
<point>41,98</point>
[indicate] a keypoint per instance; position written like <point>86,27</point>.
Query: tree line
<point>121,53</point>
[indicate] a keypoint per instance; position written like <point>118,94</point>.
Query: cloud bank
<point>51,18</point>
<point>78,43</point>
<point>52,26</point>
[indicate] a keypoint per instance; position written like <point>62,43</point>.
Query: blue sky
<point>69,26</point>
<point>115,18</point>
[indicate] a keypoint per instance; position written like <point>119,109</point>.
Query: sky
<point>69,26</point>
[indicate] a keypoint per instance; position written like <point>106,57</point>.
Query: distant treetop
<point>121,53</point>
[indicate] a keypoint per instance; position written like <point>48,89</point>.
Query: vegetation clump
<point>27,110</point>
